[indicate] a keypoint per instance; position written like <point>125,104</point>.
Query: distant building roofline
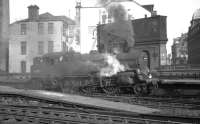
<point>48,17</point>
<point>33,6</point>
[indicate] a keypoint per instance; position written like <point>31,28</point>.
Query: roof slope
<point>49,17</point>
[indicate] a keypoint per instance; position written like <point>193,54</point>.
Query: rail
<point>188,107</point>
<point>47,116</point>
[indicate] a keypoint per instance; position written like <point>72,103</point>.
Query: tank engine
<point>74,72</point>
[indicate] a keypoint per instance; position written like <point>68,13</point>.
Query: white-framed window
<point>50,28</point>
<point>50,46</point>
<point>40,28</point>
<point>23,29</point>
<point>23,47</point>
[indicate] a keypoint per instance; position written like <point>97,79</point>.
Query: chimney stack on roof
<point>150,8</point>
<point>33,12</point>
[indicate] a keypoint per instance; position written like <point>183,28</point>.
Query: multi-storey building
<point>180,50</point>
<point>4,24</point>
<point>149,36</point>
<point>151,39</point>
<point>194,38</point>
<point>35,36</point>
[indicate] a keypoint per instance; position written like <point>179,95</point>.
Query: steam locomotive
<point>74,73</point>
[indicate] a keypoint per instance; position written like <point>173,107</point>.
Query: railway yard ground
<point>43,107</point>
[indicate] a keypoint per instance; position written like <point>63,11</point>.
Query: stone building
<point>149,37</point>
<point>180,50</point>
<point>4,35</point>
<point>194,38</point>
<point>35,36</point>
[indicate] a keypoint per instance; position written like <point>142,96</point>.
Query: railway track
<point>16,114</point>
<point>184,107</point>
<point>160,102</point>
<point>19,109</point>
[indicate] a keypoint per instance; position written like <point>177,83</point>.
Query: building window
<point>23,29</point>
<point>23,66</point>
<point>50,46</point>
<point>50,28</point>
<point>40,28</point>
<point>23,47</point>
<point>40,47</point>
<point>71,31</point>
<point>64,30</point>
<point>64,49</point>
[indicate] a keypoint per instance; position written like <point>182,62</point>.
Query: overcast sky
<point>178,12</point>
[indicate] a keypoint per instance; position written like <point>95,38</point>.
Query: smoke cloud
<point>121,27</point>
<point>114,9</point>
<point>117,12</point>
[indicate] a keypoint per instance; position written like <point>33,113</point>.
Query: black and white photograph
<point>99,62</point>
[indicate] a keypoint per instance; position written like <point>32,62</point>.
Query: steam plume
<point>113,66</point>
<point>122,28</point>
<point>117,12</point>
<point>114,9</point>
